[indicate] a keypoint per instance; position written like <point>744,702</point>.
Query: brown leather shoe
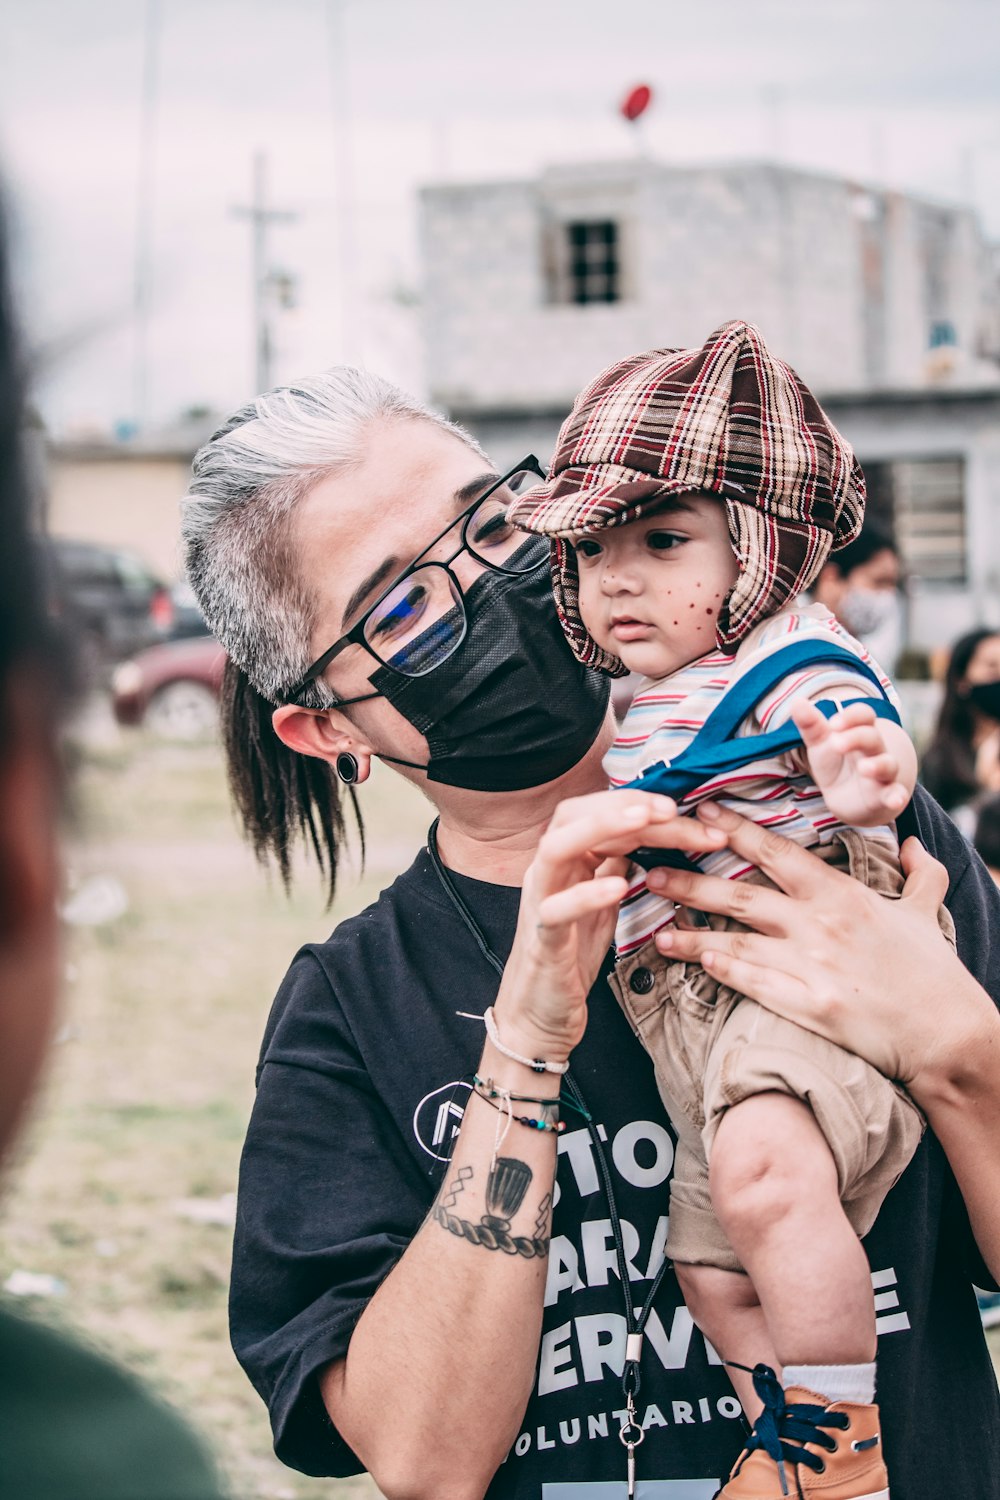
<point>806,1447</point>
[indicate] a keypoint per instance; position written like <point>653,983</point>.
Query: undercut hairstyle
<point>237,527</point>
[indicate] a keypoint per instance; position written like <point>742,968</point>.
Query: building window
<point>585,265</point>
<point>922,501</point>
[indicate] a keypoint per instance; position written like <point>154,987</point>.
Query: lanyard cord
<point>635,1323</point>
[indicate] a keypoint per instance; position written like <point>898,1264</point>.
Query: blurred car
<point>108,601</point>
<point>172,689</point>
<point>188,619</point>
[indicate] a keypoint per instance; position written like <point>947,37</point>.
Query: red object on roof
<point>637,101</point>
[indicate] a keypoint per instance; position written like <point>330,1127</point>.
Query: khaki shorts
<point>713,1048</point>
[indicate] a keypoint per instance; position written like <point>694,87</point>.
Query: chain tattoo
<point>505,1190</point>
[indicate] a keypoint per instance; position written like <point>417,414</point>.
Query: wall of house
<point>121,500</point>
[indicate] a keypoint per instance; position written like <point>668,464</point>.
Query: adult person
<point>862,585</point>
<point>962,761</point>
<point>391,1299</point>
<point>71,1424</point>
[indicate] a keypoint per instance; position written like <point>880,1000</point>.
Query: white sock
<point>835,1382</point>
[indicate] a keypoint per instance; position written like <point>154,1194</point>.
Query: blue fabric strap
<point>716,749</point>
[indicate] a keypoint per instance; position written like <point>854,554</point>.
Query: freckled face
<point>650,592</point>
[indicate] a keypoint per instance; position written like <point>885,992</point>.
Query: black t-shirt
<point>361,1086</point>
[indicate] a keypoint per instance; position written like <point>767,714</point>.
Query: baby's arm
<point>865,767</point>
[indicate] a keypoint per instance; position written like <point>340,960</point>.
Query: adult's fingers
<point>573,809</point>
<point>580,901</point>
<point>926,883</point>
<point>615,823</point>
<point>692,943</point>
<point>793,869</point>
<point>755,906</point>
<point>594,825</point>
<point>774,988</point>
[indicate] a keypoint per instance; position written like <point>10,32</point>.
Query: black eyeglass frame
<point>356,637</point>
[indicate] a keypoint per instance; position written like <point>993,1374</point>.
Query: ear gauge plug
<point>347,769</point>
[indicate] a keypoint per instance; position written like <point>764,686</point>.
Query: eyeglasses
<point>419,620</point>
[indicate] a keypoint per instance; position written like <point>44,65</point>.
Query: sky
<point>357,103</point>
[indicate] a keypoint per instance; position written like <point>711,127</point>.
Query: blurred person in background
<point>72,1425</point>
<point>962,761</point>
<point>862,586</point>
<point>414,1292</point>
<point>986,841</point>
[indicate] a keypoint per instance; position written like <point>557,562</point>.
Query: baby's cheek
<point>590,613</point>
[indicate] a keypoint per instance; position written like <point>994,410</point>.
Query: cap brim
<point>590,497</point>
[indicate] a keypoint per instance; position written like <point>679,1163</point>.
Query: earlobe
<point>323,734</point>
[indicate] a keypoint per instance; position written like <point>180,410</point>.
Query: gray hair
<point>235,518</point>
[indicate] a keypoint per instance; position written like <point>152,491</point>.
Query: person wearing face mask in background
<point>862,585</point>
<point>961,765</point>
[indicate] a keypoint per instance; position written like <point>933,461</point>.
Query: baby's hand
<point>859,777</point>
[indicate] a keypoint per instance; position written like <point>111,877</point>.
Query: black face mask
<point>512,708</point>
<point>986,697</point>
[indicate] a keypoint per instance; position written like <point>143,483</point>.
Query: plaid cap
<point>728,418</point>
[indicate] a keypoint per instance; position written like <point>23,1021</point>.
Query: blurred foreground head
<point>29,782</point>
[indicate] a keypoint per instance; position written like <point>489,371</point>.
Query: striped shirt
<point>666,715</point>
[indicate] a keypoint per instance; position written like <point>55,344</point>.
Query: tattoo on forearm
<point>506,1187</point>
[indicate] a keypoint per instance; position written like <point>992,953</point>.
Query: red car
<point>172,689</point>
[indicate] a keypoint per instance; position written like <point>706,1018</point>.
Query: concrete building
<point>888,305</point>
<point>532,287</point>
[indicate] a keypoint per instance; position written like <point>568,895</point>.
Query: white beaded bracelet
<point>536,1064</point>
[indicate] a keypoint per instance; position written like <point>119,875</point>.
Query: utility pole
<point>142,277</point>
<point>266,280</point>
<point>343,191</point>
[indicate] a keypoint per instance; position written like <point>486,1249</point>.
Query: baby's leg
<point>726,1308</point>
<point>774,1188</point>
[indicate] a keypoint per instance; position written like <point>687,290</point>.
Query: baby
<point>693,496</point>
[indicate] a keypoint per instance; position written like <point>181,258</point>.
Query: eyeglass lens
<point>421,621</point>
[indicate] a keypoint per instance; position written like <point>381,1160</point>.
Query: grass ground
<point>141,1120</point>
<point>145,1105</point>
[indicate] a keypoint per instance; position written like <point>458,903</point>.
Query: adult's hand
<point>569,903</point>
<point>872,975</point>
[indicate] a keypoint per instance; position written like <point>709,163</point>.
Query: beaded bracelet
<point>493,1091</point>
<point>556,1127</point>
<point>564,1101</point>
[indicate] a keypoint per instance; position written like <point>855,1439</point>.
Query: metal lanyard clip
<point>631,1435</point>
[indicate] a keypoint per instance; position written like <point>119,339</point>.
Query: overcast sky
<point>411,91</point>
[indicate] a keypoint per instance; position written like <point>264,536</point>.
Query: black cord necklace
<point>631,1432</point>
